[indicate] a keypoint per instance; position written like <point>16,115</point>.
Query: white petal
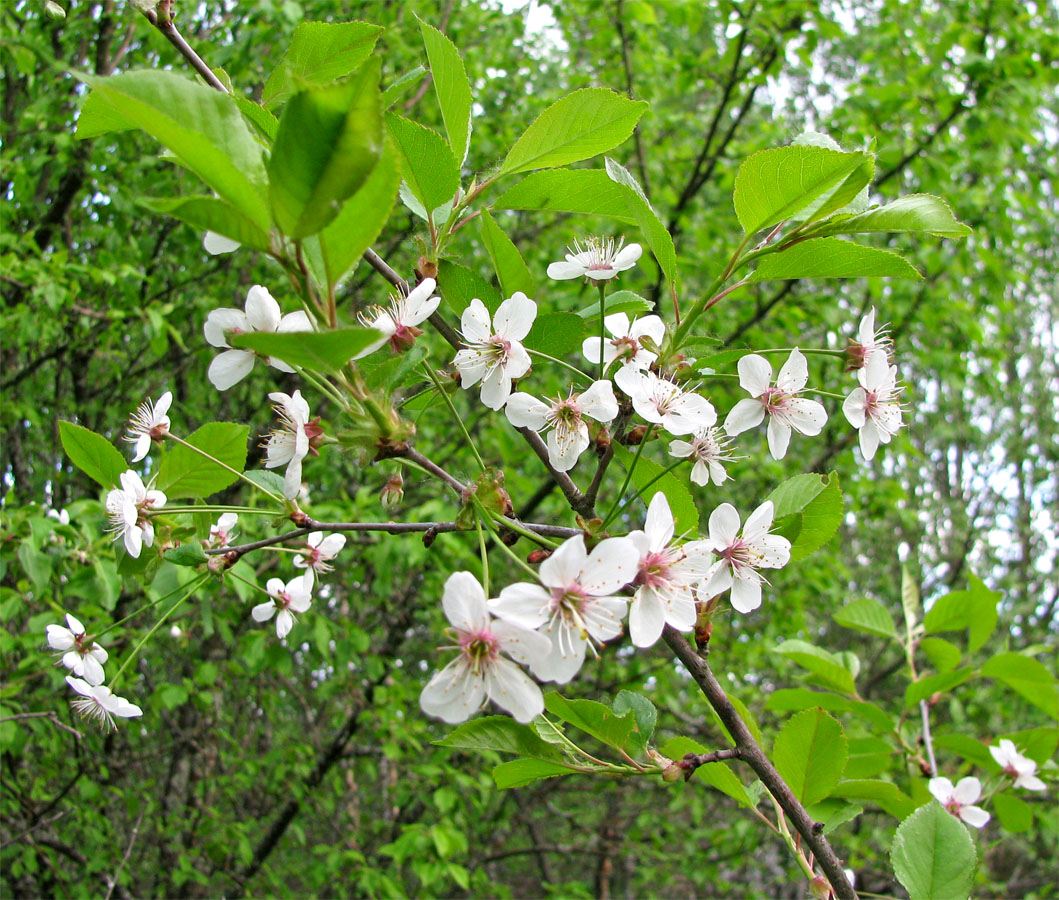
<point>464,602</point>
<point>514,317</point>
<point>795,372</point>
<point>611,566</point>
<point>91,670</point>
<point>853,407</point>
<point>565,445</point>
<point>292,478</point>
<point>522,644</point>
<point>659,525</point>
<point>263,611</point>
<point>598,402</point>
<point>134,541</point>
<point>746,414</point>
<point>472,367</point>
<point>496,388</point>
<point>869,440</point>
<point>126,710</point>
<point>512,689</point>
<point>331,545</point>
<point>755,374</point>
<point>941,788</point>
<point>590,348</point>
<point>806,416</point>
<point>627,257</point>
<point>262,310</point>
<point>284,623</point>
<point>746,591</point>
<point>647,618</point>
<point>759,522</point>
<point>526,411</point>
<point>724,526</point>
<point>60,638</point>
<point>564,271</point>
<point>779,437</point>
<point>454,694</point>
<point>215,244</point>
<point>974,816</point>
<point>294,322</point>
<point>967,790</point>
<point>230,368</point>
<point>563,567</point>
<point>518,361</point>
<point>82,687</point>
<point>224,320</point>
<point>525,605</point>
<point>565,659</point>
<point>474,323</point>
<point>649,326</point>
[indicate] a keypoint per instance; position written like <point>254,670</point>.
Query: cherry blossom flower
<point>576,603</point>
<point>873,408</point>
<point>286,599</point>
<point>709,451</point>
<point>216,244</point>
<point>1019,767</point>
<point>665,403</point>
<point>221,533</point>
<point>868,343</point>
<point>82,657</point>
<point>742,555</point>
<point>319,551</point>
<point>785,409</point>
<point>479,671</point>
<point>625,341</point>
<point>128,507</point>
<point>568,437</point>
<point>292,441</point>
<point>598,259</point>
<point>100,703</point>
<point>262,314</point>
<point>666,573</point>
<point>62,516</point>
<point>398,322</point>
<point>149,423</point>
<point>957,800</point>
<point>494,354</point>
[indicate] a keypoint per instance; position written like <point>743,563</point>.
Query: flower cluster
<point>874,407</point>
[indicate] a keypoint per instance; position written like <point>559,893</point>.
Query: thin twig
<point>125,858</point>
<point>161,17</point>
<point>927,740</point>
<point>51,716</point>
<point>570,490</point>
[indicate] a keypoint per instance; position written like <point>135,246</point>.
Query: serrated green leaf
<point>210,214</point>
<point>452,88</point>
<point>788,699</point>
<point>510,267</point>
<point>974,609</point>
<point>594,718</point>
<point>832,258</point>
<point>619,302</point>
<point>189,553</point>
<point>944,656</point>
<point>586,191</point>
<point>868,756</point>
<point>324,351</point>
<point>833,812</point>
<point>932,684</point>
<point>502,734</point>
<point>648,472</point>
<point>260,119</point>
<point>401,86</point>
<point>886,796</point>
<point>867,614</point>
<point>933,855</point>
<point>520,772</point>
<point>810,753</point>
<point>185,473</point>
<point>579,126</point>
<point>966,747</point>
<point>823,665</point>
<point>1026,677</point>
<point>429,168</point>
<point>267,480</point>
<point>914,213</point>
<point>93,454</point>
<point>644,713</point>
<point>459,285</point>
<point>796,493</point>
<point>1016,816</point>
<point>556,334</point>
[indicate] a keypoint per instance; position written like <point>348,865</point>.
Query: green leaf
<point>267,480</point>
<point>430,170</point>
<point>933,855</point>
<point>502,734</point>
<point>329,140</point>
<point>320,53</point>
<point>401,86</point>
<point>867,614</point>
<point>185,473</point>
<point>202,127</point>
<point>324,351</point>
<point>556,333</point>
<point>37,565</point>
<point>209,214</point>
<point>909,599</point>
<point>773,185</point>
<point>647,471</point>
<point>825,666</point>
<point>787,699</point>
<point>579,126</point>
<point>189,553</point>
<point>932,684</point>
<point>886,796</point>
<point>93,454</point>
<point>747,717</point>
<point>1027,677</point>
<point>1015,815</point>
<point>974,609</point>
<point>810,753</point>
<point>361,219</point>
<point>832,813</point>
<point>832,258</point>
<point>510,267</point>
<point>520,772</point>
<point>655,233</point>
<point>808,511</point>
<point>263,121</point>
<point>644,713</point>
<point>594,718</point>
<point>796,493</point>
<point>943,655</point>
<point>868,756</point>
<point>851,195</point>
<point>618,302</point>
<point>459,285</point>
<point>451,86</point>
<point>717,775</point>
<point>914,213</point>
<point>586,191</point>
<point>966,747</point>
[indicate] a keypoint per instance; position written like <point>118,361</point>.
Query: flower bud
<point>392,492</point>
<point>820,888</point>
<point>426,268</point>
<point>635,437</point>
<point>538,556</point>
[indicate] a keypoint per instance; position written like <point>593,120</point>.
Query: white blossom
<point>289,444</point>
<point>62,516</point>
<point>260,314</point>
<point>286,599</point>
<point>221,533</point>
<point>665,403</point>
<point>319,551</point>
<point>479,671</point>
<point>598,258</point>
<point>958,800</point>
<point>568,434</point>
<point>741,555</point>
<point>574,603</point>
<point>100,703</point>
<point>785,409</point>
<point>873,408</point>
<point>625,342</point>
<point>666,574</point>
<point>398,322</point>
<point>216,244</point>
<point>149,423</point>
<point>709,450</point>
<point>82,657</point>
<point>868,343</point>
<point>127,510</point>
<point>494,354</point>
<point>1022,769</point>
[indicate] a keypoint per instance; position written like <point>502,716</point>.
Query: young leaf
<point>92,453</point>
<point>502,734</point>
<point>401,86</point>
<point>885,795</point>
<point>974,609</point>
<point>922,213</point>
<point>824,665</point>
<point>647,471</point>
<point>510,267</point>
<point>260,119</point>
<point>579,126</point>
<point>832,258</point>
<point>320,53</point>
<point>429,168</point>
<point>1027,677</point>
<point>594,718</point>
<point>329,140</point>
<point>185,473</point>
<point>556,333</point>
<point>810,753</point>
<point>643,711</point>
<point>189,553</point>
<point>868,756</point>
<point>451,86</point>
<point>205,213</point>
<point>620,301</point>
<point>943,655</point>
<point>520,772</point>
<point>325,351</point>
<point>933,684</point>
<point>867,614</point>
<point>789,699</point>
<point>933,855</point>
<point>772,185</point>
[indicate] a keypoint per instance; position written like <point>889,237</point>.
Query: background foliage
<point>308,769</point>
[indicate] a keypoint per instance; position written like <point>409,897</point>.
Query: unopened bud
<point>426,268</point>
<point>856,356</point>
<point>603,441</point>
<point>635,437</point>
<point>392,492</point>
<point>538,556</point>
<point>820,888</point>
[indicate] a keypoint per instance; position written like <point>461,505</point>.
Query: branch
<point>578,501</point>
<point>755,757</point>
<point>641,162</point>
<point>162,19</point>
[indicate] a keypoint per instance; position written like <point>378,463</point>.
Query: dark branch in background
<point>754,756</point>
<point>578,502</point>
<point>641,161</point>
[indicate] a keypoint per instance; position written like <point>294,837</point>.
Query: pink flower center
<point>654,569</point>
<point>498,348</point>
<point>626,347</point>
<point>737,554</point>
<point>479,648</point>
<point>953,805</point>
<point>282,600</point>
<point>403,337</point>
<point>775,400</point>
<point>568,601</point>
